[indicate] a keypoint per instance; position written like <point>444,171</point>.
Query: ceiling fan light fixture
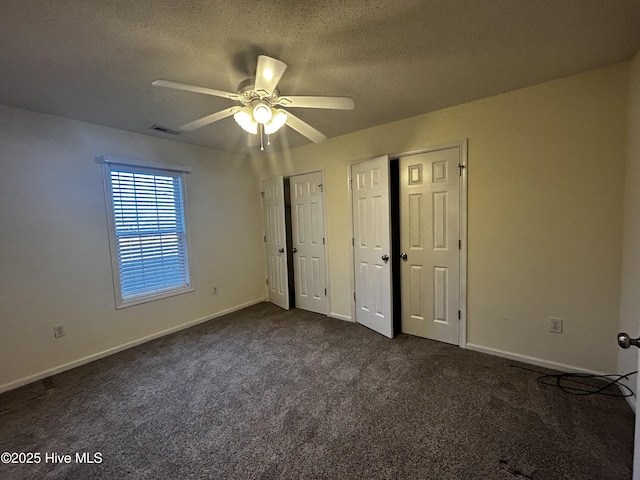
<point>259,95</point>
<point>245,120</point>
<point>276,123</point>
<point>262,113</point>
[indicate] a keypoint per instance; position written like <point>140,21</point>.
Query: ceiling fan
<point>260,112</point>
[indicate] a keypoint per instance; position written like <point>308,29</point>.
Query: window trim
<point>108,163</point>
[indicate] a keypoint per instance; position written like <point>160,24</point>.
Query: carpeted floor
<point>268,394</point>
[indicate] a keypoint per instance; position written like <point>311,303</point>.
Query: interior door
<point>636,444</point>
<point>307,219</point>
<point>276,241</point>
<point>429,244</point>
<point>625,341</point>
<point>372,244</point>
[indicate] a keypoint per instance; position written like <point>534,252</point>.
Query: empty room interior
<point>319,239</point>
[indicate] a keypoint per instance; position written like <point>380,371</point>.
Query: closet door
<point>430,244</point>
<point>307,218</point>
<point>372,244</point>
<point>276,241</point>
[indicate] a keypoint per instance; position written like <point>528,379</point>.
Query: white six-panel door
<point>372,244</point>
<point>429,244</point>
<point>307,219</point>
<point>276,241</point>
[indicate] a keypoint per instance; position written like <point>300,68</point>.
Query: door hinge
<point>323,240</point>
<point>266,280</point>
<point>458,314</point>
<point>459,244</point>
<point>325,292</point>
<point>321,187</point>
<point>353,242</point>
<point>351,184</point>
<point>461,168</point>
<point>262,194</point>
<point>354,296</point>
<point>265,239</point>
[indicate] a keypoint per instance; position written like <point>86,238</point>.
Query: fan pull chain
<point>261,140</point>
<point>268,140</point>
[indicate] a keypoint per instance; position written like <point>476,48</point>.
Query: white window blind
<point>149,231</point>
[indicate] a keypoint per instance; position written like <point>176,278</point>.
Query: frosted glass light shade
<point>276,123</point>
<point>246,121</point>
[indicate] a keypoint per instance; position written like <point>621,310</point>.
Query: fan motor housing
<point>249,95</point>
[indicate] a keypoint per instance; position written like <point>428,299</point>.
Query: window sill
<point>150,298</point>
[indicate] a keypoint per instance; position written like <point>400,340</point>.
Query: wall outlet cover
<point>59,331</point>
<point>555,325</point>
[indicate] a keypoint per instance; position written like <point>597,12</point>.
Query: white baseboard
<point>96,356</point>
<point>338,316</point>
<point>563,367</point>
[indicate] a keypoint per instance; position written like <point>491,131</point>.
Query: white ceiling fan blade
<point>194,88</point>
<point>214,117</point>
<point>268,73</point>
<point>333,103</point>
<point>305,129</point>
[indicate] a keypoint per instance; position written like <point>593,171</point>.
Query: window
<point>148,235</point>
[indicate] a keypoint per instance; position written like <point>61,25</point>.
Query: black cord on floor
<point>560,380</point>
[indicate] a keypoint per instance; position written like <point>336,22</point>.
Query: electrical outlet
<point>214,290</point>
<point>555,325</point>
<point>59,331</point>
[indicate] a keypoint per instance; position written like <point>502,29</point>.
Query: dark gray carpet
<point>268,394</point>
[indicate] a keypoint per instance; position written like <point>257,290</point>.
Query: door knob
<point>281,250</point>
<point>625,341</point>
<point>294,250</point>
<point>403,256</point>
<point>385,258</point>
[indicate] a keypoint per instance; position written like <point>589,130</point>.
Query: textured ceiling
<point>94,60</point>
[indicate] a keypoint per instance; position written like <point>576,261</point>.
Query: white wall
<point>546,176</point>
<point>54,252</point>
<point>630,291</point>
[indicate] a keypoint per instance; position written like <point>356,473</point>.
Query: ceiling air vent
<point>159,128</point>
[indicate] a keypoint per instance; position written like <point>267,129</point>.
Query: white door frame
<point>326,243</point>
<point>462,145</point>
